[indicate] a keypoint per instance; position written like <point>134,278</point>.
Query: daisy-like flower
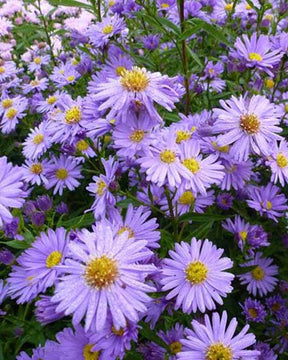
<point>239,229</point>
<point>65,74</point>
<point>278,162</point>
<point>45,310</point>
<point>13,114</point>
<point>7,69</point>
<point>37,142</point>
<point>261,279</point>
<point>103,277</point>
<point>267,200</point>
<point>63,172</point>
<point>254,310</point>
<point>50,102</point>
<point>172,338</point>
<point>37,62</point>
<point>237,173</point>
<point>212,341</point>
<point>196,276</point>
<point>35,85</point>
<point>37,354</point>
<point>249,124</point>
<point>11,193</point>
<point>34,172</point>
<point>256,52</point>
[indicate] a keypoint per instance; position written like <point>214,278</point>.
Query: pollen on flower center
<point>137,136</point>
<point>134,80</point>
<point>90,355</point>
<point>73,115</point>
<point>101,185</point>
<point>53,259</point>
<point>167,156</point>
<point>164,6</point>
<point>62,174</point>
<point>182,136</point>
<point>192,165</point>
<point>119,70</point>
<point>248,7</point>
<point>51,100</point>
<point>126,228</point>
<point>229,7</point>
<point>243,235</point>
<point>11,113</point>
<point>257,273</point>
<point>82,145</point>
<point>196,272</point>
<point>107,29</point>
<point>218,351</point>
<point>36,168</point>
<point>101,272</point>
<point>7,103</point>
<point>266,205</point>
<point>252,312</point>
<point>187,198</point>
<point>38,139</point>
<point>37,60</point>
<point>119,332</point>
<point>250,123</point>
<point>281,160</point>
<point>223,149</point>
<point>34,82</point>
<point>2,69</point>
<point>255,56</point>
<point>70,78</point>
<point>175,347</point>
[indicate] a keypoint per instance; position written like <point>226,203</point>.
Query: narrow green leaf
<point>16,244</point>
<point>72,3</point>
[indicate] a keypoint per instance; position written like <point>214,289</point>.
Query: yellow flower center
<point>70,78</point>
<point>107,29</point>
<point>119,332</point>
<point>223,149</point>
<point>7,103</point>
<point>53,259</point>
<point>252,312</point>
<point>73,115</point>
<point>82,145</point>
<point>75,62</point>
<point>165,6</point>
<point>61,72</point>
<point>229,7</point>
<point>268,205</point>
<point>101,185</point>
<point>36,168</point>
<point>182,136</point>
<point>257,273</point>
<point>134,80</point>
<point>187,198</point>
<point>196,272</point>
<point>11,113</point>
<point>192,165</point>
<point>218,351</point>
<point>120,70</point>
<point>281,160</point>
<point>62,174</point>
<point>126,228</point>
<point>101,272</point>
<point>175,347</point>
<point>51,100</point>
<point>243,235</point>
<point>34,82</point>
<point>111,3</point>
<point>248,7</point>
<point>137,136</point>
<point>269,17</point>
<point>255,57</point>
<point>2,69</point>
<point>250,123</point>
<point>269,83</point>
<point>286,108</point>
<point>167,156</point>
<point>37,60</point>
<point>90,355</point>
<point>38,139</point>
<point>276,306</point>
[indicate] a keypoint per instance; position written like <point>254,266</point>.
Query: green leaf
<point>151,335</point>
<point>212,30</point>
<point>72,3</point>
<point>16,244</point>
<point>194,56</point>
<point>160,23</point>
<point>202,230</point>
<point>202,218</point>
<point>78,222</point>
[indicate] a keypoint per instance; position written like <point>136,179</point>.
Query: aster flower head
<point>250,125</point>
<point>212,341</point>
<point>172,338</point>
<point>236,173</point>
<point>262,278</point>
<point>103,278</point>
<point>266,353</point>
<point>34,171</point>
<point>193,274</point>
<point>45,311</point>
<point>13,114</point>
<point>37,62</point>
<point>278,162</point>
<point>37,142</point>
<point>254,311</point>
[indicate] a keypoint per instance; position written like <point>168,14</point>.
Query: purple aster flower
<point>236,174</point>
<point>172,339</point>
<point>62,208</point>
<point>11,228</point>
<point>11,193</point>
<point>45,311</point>
<point>211,71</point>
<point>6,257</point>
<point>38,62</point>
<point>257,237</point>
<point>50,102</point>
<point>37,142</point>
<point>65,74</point>
<point>150,350</point>
<point>37,354</point>
<point>44,203</point>
<point>276,304</point>
<point>249,124</point>
<point>13,114</point>
<point>265,352</point>
<point>212,340</point>
<point>224,201</point>
<point>102,277</point>
<point>63,172</point>
<point>7,69</point>
<point>151,41</point>
<point>35,85</point>
<point>193,275</point>
<point>254,310</point>
<point>261,279</point>
<point>38,218</point>
<point>239,229</point>
<point>154,310</point>
<point>278,162</point>
<point>35,171</point>
<point>267,200</point>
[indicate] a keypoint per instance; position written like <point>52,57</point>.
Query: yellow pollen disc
<point>248,7</point>
<point>70,78</point>
<point>82,145</point>
<point>30,278</point>
<point>281,160</point>
<point>187,198</point>
<point>286,108</point>
<point>75,62</point>
<point>90,355</point>
<point>218,351</point>
<point>36,168</point>
<point>211,71</point>
<point>276,306</point>
<point>182,136</point>
<point>167,156</point>
<point>193,129</point>
<point>192,165</point>
<point>137,136</point>
<point>112,121</point>
<point>119,332</point>
<point>223,149</point>
<point>61,174</point>
<point>101,185</point>
<point>165,6</point>
<point>175,347</point>
<point>38,139</point>
<point>111,3</point>
<point>268,205</point>
<point>53,259</point>
<point>126,228</point>
<point>51,100</point>
<point>255,57</point>
<point>119,70</point>
<point>37,60</point>
<point>257,273</point>
<point>34,82</point>
<point>11,113</point>
<point>243,235</point>
<point>7,103</point>
<point>2,69</point>
<point>229,7</point>
<point>107,29</point>
<point>252,312</point>
<point>101,272</point>
<point>269,17</point>
<point>250,123</point>
<point>269,83</point>
<point>134,80</point>
<point>196,272</point>
<point>61,72</point>
<point>73,115</point>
